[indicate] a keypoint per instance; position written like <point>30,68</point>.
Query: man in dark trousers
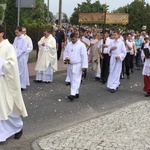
<point>61,40</point>
<point>103,47</point>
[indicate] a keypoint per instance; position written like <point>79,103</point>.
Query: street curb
<point>35,145</point>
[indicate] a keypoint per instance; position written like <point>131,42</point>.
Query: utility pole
<point>104,21</point>
<point>18,13</point>
<point>79,18</point>
<point>60,12</point>
<point>48,19</point>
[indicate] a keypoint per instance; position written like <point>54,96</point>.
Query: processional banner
<point>111,18</point>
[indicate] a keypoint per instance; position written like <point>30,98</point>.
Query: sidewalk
<point>125,129</point>
<point>61,67</point>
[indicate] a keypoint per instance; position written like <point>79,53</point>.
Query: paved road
<point>50,111</point>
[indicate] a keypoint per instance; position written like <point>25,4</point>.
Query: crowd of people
<point>113,55</point>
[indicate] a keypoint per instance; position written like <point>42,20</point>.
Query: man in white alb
<point>76,53</point>
<point>29,49</point>
<point>117,52</point>
<point>20,46</point>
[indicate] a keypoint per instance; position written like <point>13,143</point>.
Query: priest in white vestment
<point>29,49</point>
<point>20,46</point>
<point>11,101</point>
<point>117,51</point>
<point>76,52</point>
<point>47,58</point>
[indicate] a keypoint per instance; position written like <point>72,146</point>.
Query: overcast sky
<point>69,5</point>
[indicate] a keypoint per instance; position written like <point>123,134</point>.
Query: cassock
<point>77,53</point>
<point>47,59</point>
<point>146,70</point>
<point>11,101</point>
<point>115,65</point>
<point>20,46</point>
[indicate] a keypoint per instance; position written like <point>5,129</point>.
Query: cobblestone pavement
<point>125,129</point>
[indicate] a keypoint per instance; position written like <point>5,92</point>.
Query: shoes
<point>112,90</point>
<point>68,83</point>
<point>128,77</point>
<point>103,82</point>
<point>22,89</point>
<point>131,70</point>
<point>72,97</point>
<point>138,68</point>
<point>77,96</point>
<point>18,135</point>
<point>147,94</point>
<point>37,81</point>
<point>97,79</point>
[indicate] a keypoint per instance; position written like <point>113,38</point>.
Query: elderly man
<point>11,101</point>
<point>76,54</point>
<point>47,58</point>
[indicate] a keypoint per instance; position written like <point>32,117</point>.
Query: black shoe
<point>18,135</point>
<point>138,68</point>
<point>128,77</point>
<point>37,81</point>
<point>71,97</point>
<point>22,89</point>
<point>112,90</point>
<point>77,95</point>
<point>103,82</point>
<point>97,79</point>
<point>147,94</point>
<point>67,83</point>
<point>131,70</point>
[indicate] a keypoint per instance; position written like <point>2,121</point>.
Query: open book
<point>146,52</point>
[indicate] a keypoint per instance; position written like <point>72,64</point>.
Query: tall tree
<point>139,14</point>
<point>86,7</point>
<point>11,13</point>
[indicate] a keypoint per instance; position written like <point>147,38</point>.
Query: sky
<point>69,5</point>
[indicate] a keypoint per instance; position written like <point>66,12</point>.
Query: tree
<point>11,13</point>
<point>86,7</point>
<point>139,14</point>
<point>3,1</point>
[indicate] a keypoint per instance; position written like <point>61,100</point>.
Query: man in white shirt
<point>103,48</point>
<point>76,53</point>
<point>131,51</point>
